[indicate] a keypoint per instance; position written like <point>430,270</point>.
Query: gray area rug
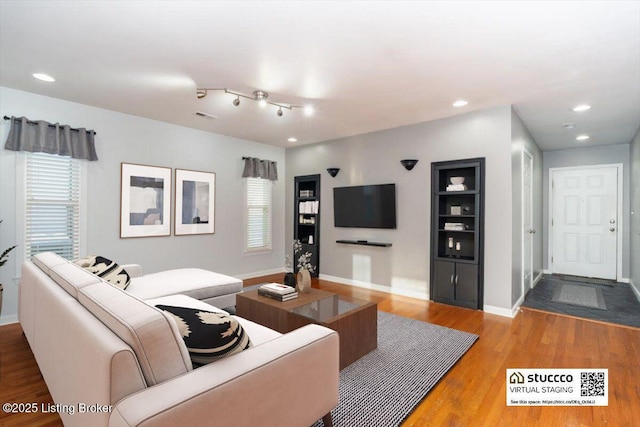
<point>382,388</point>
<point>580,295</point>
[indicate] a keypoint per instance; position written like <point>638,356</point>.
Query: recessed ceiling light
<point>582,137</point>
<point>205,115</point>
<point>292,139</point>
<point>44,77</point>
<point>460,103</point>
<point>308,110</point>
<point>580,108</point>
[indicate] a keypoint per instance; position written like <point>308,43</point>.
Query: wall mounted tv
<point>365,206</point>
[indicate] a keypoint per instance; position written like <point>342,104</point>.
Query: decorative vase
<point>304,281</point>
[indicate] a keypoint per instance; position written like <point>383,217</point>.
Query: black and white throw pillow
<point>209,336</point>
<point>106,269</point>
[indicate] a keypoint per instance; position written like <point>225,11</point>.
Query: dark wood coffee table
<point>356,321</point>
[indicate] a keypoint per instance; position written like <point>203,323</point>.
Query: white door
<point>584,223</point>
<point>527,221</point>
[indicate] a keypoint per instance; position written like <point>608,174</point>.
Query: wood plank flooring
<point>472,393</point>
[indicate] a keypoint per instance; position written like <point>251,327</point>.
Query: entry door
<point>527,221</point>
<point>585,222</point>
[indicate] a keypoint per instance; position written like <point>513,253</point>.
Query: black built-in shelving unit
<point>306,218</point>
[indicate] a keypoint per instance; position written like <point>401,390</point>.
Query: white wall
<point>374,158</point>
<point>520,137</point>
<point>609,154</point>
<point>131,139</point>
<point>635,213</point>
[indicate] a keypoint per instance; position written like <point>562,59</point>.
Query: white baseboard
<point>7,320</point>
<point>260,273</point>
<point>537,279</point>
<point>504,312</point>
<point>635,290</point>
<point>366,285</point>
<point>624,280</point>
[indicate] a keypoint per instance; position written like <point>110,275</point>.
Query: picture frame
<point>195,202</point>
<point>145,201</point>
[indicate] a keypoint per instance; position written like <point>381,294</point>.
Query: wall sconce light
<point>333,171</point>
<point>408,163</point>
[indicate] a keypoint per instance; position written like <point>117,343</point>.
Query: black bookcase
<point>306,218</point>
<point>457,228</point>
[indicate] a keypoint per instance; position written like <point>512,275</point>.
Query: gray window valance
<point>44,137</point>
<point>256,168</point>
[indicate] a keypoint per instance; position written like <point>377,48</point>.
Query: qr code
<point>592,384</point>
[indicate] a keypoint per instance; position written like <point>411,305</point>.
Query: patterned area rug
<point>382,388</point>
<point>580,295</point>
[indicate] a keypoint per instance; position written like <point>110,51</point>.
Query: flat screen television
<point>365,206</point>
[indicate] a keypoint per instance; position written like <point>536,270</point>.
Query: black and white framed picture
<point>145,201</point>
<point>195,202</point>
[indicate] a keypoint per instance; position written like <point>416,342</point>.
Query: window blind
<point>52,209</point>
<point>258,214</point>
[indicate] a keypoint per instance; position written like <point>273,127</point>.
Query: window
<point>258,214</point>
<point>52,205</point>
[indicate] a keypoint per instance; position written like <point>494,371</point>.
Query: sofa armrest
<point>134,270</point>
<point>289,381</point>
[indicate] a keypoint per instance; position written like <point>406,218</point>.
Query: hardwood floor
<point>472,393</point>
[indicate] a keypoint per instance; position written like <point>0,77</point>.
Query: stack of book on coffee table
<point>277,291</point>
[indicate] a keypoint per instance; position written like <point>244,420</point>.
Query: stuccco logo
<point>518,378</point>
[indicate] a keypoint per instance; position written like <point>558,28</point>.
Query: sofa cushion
<point>106,269</point>
<point>209,335</point>
<point>194,282</point>
<point>47,260</point>
<point>151,334</point>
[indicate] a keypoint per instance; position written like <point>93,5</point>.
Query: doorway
<point>585,206</point>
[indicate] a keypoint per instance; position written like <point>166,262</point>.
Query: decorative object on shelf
<point>457,180</point>
<point>333,171</point>
<point>290,280</point>
<point>258,95</point>
<point>305,268</point>
<point>145,201</point>
<point>456,210</point>
<point>409,163</point>
<point>195,202</point>
<point>3,259</point>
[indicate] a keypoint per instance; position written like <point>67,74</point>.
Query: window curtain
<point>256,168</point>
<point>44,137</point>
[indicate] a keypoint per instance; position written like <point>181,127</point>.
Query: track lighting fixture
<point>259,96</point>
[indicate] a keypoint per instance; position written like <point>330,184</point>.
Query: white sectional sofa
<point>110,358</point>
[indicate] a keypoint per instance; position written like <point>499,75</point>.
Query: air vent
<point>206,115</point>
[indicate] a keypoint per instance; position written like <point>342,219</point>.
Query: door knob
<point>612,229</point>
<point>612,221</point>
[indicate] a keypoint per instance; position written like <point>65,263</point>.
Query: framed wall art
<point>195,202</point>
<point>145,201</point>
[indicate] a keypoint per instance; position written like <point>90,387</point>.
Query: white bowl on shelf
<point>457,180</point>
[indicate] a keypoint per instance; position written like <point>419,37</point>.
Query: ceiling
<point>364,66</point>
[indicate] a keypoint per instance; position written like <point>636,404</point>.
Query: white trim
<point>522,216</point>
<point>245,276</point>
<point>547,272</point>
<point>375,287</point>
<point>536,280</point>
<point>619,222</point>
<point>7,320</point>
<point>635,290</point>
<point>499,311</point>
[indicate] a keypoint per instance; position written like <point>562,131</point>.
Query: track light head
<point>236,101</point>
<point>279,113</point>
<point>201,93</point>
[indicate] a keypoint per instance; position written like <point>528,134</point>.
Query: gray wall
<point>520,137</point>
<point>609,154</point>
<point>635,213</point>
<point>374,158</point>
<point>130,139</point>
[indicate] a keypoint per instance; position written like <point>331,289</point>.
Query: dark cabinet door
<point>444,282</point>
<point>466,284</point>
